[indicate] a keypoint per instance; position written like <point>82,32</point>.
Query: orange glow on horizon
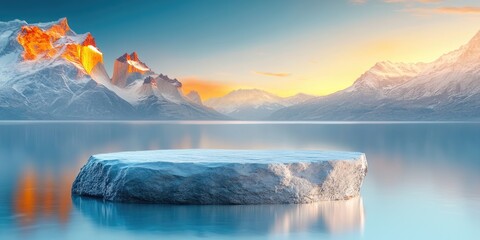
<point>316,68</point>
<point>207,89</point>
<point>38,43</point>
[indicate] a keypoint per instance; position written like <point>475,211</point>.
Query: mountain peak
<point>194,96</point>
<point>55,39</point>
<point>471,51</point>
<point>63,23</point>
<point>386,75</point>
<point>132,57</point>
<point>475,38</point>
<point>135,63</point>
<point>126,65</point>
<point>149,80</point>
<point>59,28</point>
<point>89,40</point>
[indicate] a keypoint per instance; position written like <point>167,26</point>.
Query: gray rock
<point>222,176</point>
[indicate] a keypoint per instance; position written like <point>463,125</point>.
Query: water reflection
<point>40,197</point>
<point>411,167</point>
<point>322,217</point>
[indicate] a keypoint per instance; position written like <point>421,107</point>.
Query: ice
<point>222,176</point>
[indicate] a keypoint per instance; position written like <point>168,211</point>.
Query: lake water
<point>423,182</point>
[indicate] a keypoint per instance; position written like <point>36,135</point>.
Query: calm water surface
<point>423,182</point>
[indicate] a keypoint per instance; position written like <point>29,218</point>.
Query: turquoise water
<point>423,182</point>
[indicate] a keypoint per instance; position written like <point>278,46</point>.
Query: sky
<point>282,46</point>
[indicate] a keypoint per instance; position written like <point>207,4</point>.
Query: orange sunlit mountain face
<point>134,64</point>
<point>38,43</point>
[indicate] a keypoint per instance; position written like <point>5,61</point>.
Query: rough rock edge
<point>227,183</point>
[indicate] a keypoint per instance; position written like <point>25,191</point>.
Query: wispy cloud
<point>458,10</point>
<point>412,1</point>
<point>419,7</point>
<point>358,1</point>
<point>272,74</point>
<point>444,10</point>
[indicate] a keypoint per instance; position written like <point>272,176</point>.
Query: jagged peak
<point>56,39</point>
<point>173,81</point>
<point>132,57</point>
<point>63,22</point>
<point>149,80</point>
<point>89,40</point>
<point>124,57</point>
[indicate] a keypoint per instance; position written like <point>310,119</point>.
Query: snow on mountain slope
<point>133,75</point>
<point>252,104</point>
<point>385,76</point>
<point>44,74</point>
<point>446,89</point>
<point>161,96</point>
<point>455,74</point>
<point>127,68</point>
<point>157,95</point>
<point>297,99</point>
<point>47,71</point>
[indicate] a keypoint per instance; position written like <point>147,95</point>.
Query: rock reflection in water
<point>323,217</point>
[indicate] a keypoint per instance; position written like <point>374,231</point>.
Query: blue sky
<point>282,46</point>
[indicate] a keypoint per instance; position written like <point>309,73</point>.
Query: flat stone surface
<point>222,176</point>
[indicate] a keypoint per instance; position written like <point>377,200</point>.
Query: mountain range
<point>253,104</point>
<point>447,89</point>
<point>47,71</point>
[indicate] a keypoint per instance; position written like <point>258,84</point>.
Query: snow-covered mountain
<point>127,68</point>
<point>47,71</point>
<point>194,96</point>
<point>252,104</point>
<point>446,89</point>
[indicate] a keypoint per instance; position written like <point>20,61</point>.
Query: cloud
<point>445,10</point>
<point>271,74</point>
<point>358,1</point>
<point>412,1</point>
<point>458,10</point>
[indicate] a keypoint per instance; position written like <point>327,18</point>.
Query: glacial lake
<point>423,182</point>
